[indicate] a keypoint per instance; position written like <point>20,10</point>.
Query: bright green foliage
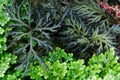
<point>103,64</point>
<point>75,70</point>
<point>3,21</point>
<point>56,71</point>
<point>12,75</point>
<point>101,67</point>
<point>60,55</point>
<point>2,40</point>
<point>5,58</point>
<point>56,62</point>
<point>3,16</point>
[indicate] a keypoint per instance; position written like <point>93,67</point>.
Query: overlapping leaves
<point>30,35</point>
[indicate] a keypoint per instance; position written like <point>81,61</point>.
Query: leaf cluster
<point>32,26</point>
<point>89,28</point>
<point>101,67</point>
<point>5,58</point>
<point>81,27</point>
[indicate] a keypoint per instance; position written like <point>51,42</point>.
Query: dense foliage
<point>30,29</point>
<point>62,66</point>
<point>5,58</point>
<point>73,25</point>
<point>100,67</point>
<point>89,28</point>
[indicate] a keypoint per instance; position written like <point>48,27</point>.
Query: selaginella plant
<point>101,67</point>
<point>5,58</point>
<point>62,66</point>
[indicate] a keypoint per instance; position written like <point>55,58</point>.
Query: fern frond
<point>81,37</point>
<point>102,41</point>
<point>93,13</point>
